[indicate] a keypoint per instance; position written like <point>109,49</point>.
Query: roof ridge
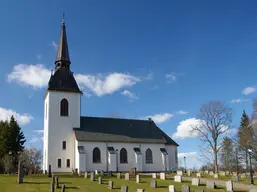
<point>118,118</point>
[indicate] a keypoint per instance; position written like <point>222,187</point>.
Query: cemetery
<point>123,182</point>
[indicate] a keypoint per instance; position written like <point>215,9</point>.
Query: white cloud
<point>171,77</point>
<point>249,90</point>
<point>102,85</point>
<point>184,129</point>
<point>231,132</point>
<point>36,139</point>
<point>181,112</point>
<point>22,119</point>
<point>129,94</point>
<point>39,131</point>
<point>160,118</point>
<point>54,44</point>
<point>239,100</point>
<point>189,154</point>
<point>36,76</point>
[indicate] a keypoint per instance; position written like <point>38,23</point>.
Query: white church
<point>72,141</point>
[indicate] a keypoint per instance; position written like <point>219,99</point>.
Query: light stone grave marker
<point>178,178</point>
<point>162,176</point>
<point>206,172</point>
<point>227,172</point>
<point>210,184</point>
<point>118,175</point>
<point>137,178</point>
<point>154,175</point>
<point>63,188</point>
<point>172,188</point>
<point>185,188</point>
<point>110,185</point>
<point>189,173</point>
<point>199,190</point>
<point>127,177</point>
<point>211,173</point>
<point>229,186</point>
<point>99,180</point>
<point>92,176</point>
<point>180,173</point>
<point>124,188</point>
<point>195,181</point>
<point>153,184</point>
<point>223,173</point>
<point>140,190</point>
<point>243,175</point>
<point>216,176</point>
<point>235,178</point>
<point>234,173</point>
<point>86,174</point>
<point>198,175</point>
<point>96,172</point>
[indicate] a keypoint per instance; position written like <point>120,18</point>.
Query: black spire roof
<point>63,79</point>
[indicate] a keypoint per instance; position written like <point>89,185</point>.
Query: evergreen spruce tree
<point>5,134</point>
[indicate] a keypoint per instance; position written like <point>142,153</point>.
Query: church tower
<point>61,112</point>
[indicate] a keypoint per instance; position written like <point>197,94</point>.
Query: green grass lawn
<point>35,183</point>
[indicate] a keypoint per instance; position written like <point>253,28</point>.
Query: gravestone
<point>211,173</point>
<point>153,184</point>
<point>210,184</point>
<point>227,172</point>
<point>253,189</point>
<point>198,175</point>
<point>110,185</point>
<point>206,172</point>
<point>178,178</point>
<point>86,174</point>
<point>53,178</point>
<point>118,175</point>
<point>140,190</point>
<point>223,173</point>
<point>52,187</point>
<point>132,171</point>
<point>96,172</point>
<point>56,182</point>
<point>154,175</point>
<point>162,176</point>
<point>49,171</point>
<point>234,173</point>
<point>20,173</point>
<point>99,180</point>
<point>199,190</point>
<point>180,173</point>
<point>215,176</point>
<point>189,173</point>
<point>92,176</point>
<point>229,186</point>
<point>138,179</point>
<point>243,176</point>
<point>172,188</point>
<point>195,181</point>
<point>124,188</point>
<point>63,188</point>
<point>185,188</point>
<point>109,173</point>
<point>80,173</point>
<point>235,178</point>
<point>127,176</point>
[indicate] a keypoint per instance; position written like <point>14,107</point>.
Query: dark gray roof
<point>120,130</point>
<point>63,80</point>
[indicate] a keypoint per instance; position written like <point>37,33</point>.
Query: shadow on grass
<point>162,186</point>
<point>71,188</point>
<point>202,185</point>
<point>65,182</point>
<point>32,182</point>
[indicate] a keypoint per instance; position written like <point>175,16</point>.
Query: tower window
<point>64,145</point>
<point>64,111</point>
<point>59,163</point>
<point>68,163</point>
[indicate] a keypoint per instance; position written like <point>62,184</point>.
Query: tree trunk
<point>246,160</point>
<point>215,162</point>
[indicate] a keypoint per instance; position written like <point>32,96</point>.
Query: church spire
<point>62,57</point>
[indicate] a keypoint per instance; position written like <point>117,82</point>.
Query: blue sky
<point>133,59</point>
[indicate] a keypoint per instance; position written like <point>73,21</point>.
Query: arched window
<point>148,156</point>
<point>123,156</point>
<point>96,155</point>
<point>64,107</point>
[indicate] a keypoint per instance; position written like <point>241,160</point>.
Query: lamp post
<point>251,170</point>
<point>185,164</point>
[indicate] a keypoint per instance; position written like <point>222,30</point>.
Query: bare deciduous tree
<point>31,159</point>
<point>215,119</point>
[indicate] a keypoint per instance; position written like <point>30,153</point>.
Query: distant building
<point>72,141</point>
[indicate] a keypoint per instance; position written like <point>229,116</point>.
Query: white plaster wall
<point>60,128</point>
<point>157,156</point>
<point>172,158</point>
<point>45,142</point>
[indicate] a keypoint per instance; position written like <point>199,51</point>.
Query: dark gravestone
<point>49,171</point>
<point>185,188</point>
<point>210,184</point>
<point>99,180</point>
<point>124,188</point>
<point>52,187</point>
<point>109,174</point>
<point>20,173</point>
<point>110,185</point>
<point>153,184</point>
<point>53,179</point>
<point>56,182</point>
<point>63,188</point>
